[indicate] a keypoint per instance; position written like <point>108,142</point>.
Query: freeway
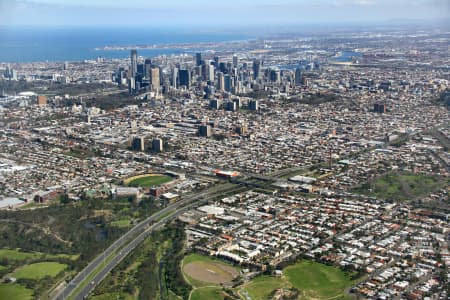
<point>118,250</point>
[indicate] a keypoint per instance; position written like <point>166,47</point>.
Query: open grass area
<point>121,223</point>
<point>262,286</point>
<point>118,295</point>
<point>39,270</point>
<point>317,280</point>
<point>18,255</point>
<point>207,293</point>
<point>201,271</point>
<point>149,180</point>
<point>15,292</point>
<point>402,186</point>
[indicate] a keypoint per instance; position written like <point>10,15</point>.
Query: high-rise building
<point>235,61</point>
<point>184,78</point>
<point>133,68</point>
<point>155,79</point>
<point>41,100</point>
<point>253,105</point>
<point>138,144</point>
<point>157,145</point>
<point>198,59</point>
<point>215,104</point>
<point>231,106</point>
<point>379,108</point>
<point>205,130</point>
<point>227,83</point>
<point>256,69</point>
<point>221,81</point>
<point>175,80</point>
<point>298,76</point>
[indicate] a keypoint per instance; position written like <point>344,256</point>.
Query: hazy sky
<point>214,13</point>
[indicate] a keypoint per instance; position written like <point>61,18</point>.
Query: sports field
<point>39,270</point>
<point>207,293</point>
<point>147,180</point>
<point>15,292</point>
<point>262,286</point>
<point>317,280</point>
<point>204,270</point>
<point>401,186</point>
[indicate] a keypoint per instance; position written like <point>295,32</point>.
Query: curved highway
<point>118,250</point>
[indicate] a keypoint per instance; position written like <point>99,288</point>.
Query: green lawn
<point>149,181</point>
<point>207,293</point>
<point>121,223</point>
<point>39,270</point>
<point>401,186</point>
<point>118,295</point>
<point>17,255</point>
<point>261,287</point>
<point>15,292</point>
<point>317,280</point>
<point>193,258</point>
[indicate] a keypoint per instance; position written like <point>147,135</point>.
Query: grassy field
<point>118,295</point>
<point>149,180</point>
<point>39,270</point>
<point>318,281</point>
<point>207,293</point>
<point>401,186</point>
<point>121,223</point>
<point>262,286</point>
<point>15,292</point>
<point>215,266</point>
<point>17,255</point>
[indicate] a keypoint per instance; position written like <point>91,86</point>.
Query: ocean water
<point>74,44</point>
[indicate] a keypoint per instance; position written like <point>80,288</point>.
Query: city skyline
<point>196,13</point>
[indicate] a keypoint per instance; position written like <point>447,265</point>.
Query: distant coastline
<point>59,45</point>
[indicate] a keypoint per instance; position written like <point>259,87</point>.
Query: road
<point>118,250</point>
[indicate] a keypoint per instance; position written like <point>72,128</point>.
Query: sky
<point>214,13</point>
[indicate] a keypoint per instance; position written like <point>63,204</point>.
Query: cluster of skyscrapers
<point>212,75</point>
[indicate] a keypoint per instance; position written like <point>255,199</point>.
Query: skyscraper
<point>184,78</point>
<point>155,79</point>
<point>221,81</point>
<point>256,69</point>
<point>235,61</point>
<point>133,68</point>
<point>198,59</point>
<point>298,76</point>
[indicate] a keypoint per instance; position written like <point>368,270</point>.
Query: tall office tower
<point>147,68</point>
<point>210,75</point>
<point>138,144</point>
<point>223,68</point>
<point>235,61</point>
<point>231,106</point>
<point>41,100</point>
<point>221,81</point>
<point>157,145</point>
<point>215,104</point>
<point>155,79</point>
<point>275,76</point>
<point>131,85</point>
<point>205,130</point>
<point>298,76</point>
<point>198,59</point>
<point>256,69</point>
<point>216,61</point>
<point>227,83</point>
<point>184,78</point>
<point>133,68</point>
<point>253,105</point>
<point>174,80</point>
